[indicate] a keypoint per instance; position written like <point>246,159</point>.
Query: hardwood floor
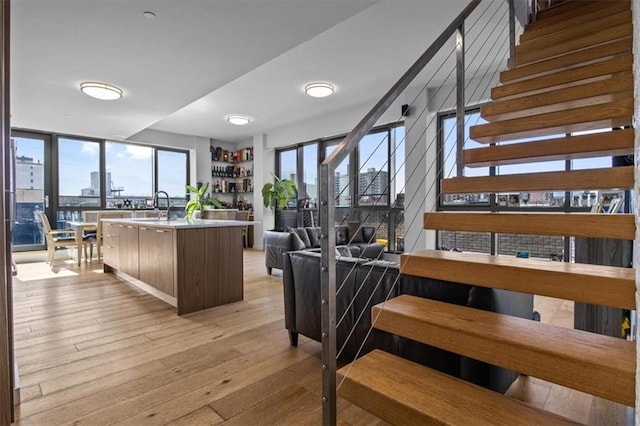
<point>95,350</point>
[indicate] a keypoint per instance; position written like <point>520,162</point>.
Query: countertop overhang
<point>182,223</point>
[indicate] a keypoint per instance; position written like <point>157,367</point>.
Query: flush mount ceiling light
<point>238,119</point>
<point>103,91</point>
<point>319,89</point>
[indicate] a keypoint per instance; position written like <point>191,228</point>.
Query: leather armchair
<point>357,279</point>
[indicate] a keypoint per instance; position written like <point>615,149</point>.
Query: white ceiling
<point>202,59</point>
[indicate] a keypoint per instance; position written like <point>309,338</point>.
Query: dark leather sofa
<point>356,279</point>
<point>352,239</point>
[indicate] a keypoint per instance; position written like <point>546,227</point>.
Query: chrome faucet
<point>156,205</point>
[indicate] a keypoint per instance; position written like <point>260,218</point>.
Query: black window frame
<point>52,167</point>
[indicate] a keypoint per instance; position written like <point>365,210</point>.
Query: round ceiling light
<point>103,91</point>
<point>238,119</point>
<point>319,89</point>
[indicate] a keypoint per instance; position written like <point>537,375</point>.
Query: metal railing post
<point>460,100</point>
<point>328,295</point>
<point>512,34</point>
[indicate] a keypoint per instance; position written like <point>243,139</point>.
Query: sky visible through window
<point>130,166</point>
<point>32,148</point>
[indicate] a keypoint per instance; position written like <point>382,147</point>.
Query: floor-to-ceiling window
<point>65,175</point>
<point>78,177</point>
<point>128,175</point>
<point>368,184</point>
<point>172,165</point>
<point>30,156</point>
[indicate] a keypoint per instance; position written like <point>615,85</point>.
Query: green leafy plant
<point>199,200</point>
<point>276,195</point>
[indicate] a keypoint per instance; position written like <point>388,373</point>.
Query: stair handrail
<point>327,206</point>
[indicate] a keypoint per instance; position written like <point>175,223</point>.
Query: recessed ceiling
<point>198,61</point>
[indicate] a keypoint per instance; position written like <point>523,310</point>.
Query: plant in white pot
<point>199,199</point>
<point>276,195</point>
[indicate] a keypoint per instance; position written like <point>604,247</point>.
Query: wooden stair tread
<point>568,61</point>
<point>548,25</point>
<point>402,392</point>
<point>611,114</point>
<point>600,365</point>
<point>617,86</point>
<point>571,32</point>
<point>526,55</point>
<point>594,284</point>
<point>560,79</point>
<point>607,178</point>
<point>588,225</point>
<point>556,7</point>
<point>567,11</point>
<point>613,143</point>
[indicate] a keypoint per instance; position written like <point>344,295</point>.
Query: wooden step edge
<point>589,225</point>
<point>549,25</point>
<point>578,75</point>
<point>579,43</point>
<point>589,27</point>
<point>567,9</point>
<point>619,86</point>
<point>568,61</point>
<point>594,284</point>
<point>611,114</point>
<point>559,8</point>
<point>613,143</point>
<point>606,178</point>
<point>403,392</point>
<point>573,358</point>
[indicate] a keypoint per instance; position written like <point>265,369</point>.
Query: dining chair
<point>89,238</point>
<point>244,216</point>
<point>107,214</point>
<point>56,238</point>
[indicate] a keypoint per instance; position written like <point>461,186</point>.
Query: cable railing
<point>468,68</point>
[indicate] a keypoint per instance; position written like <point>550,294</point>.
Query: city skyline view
<point>130,166</point>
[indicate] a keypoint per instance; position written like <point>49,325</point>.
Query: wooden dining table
<point>80,228</point>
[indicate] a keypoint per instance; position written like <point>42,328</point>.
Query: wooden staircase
<point>573,72</point>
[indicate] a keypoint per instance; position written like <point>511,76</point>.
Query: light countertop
<point>181,223</point>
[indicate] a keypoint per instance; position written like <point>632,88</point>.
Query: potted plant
<point>276,195</point>
<point>199,199</point>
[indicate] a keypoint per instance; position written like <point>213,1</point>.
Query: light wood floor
<point>95,350</point>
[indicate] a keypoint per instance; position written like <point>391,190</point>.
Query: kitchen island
<point>192,265</point>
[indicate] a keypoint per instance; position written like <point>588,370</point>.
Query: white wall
<point>419,155</point>
<point>263,158</point>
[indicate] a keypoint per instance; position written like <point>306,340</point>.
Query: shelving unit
<point>232,174</point>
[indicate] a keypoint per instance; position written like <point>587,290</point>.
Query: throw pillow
<point>355,232</point>
<point>296,242</point>
<point>342,232</point>
<point>343,251</point>
<point>369,234</point>
<point>302,234</point>
<point>314,236</point>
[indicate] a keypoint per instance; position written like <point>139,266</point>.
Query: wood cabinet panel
<point>128,252</point>
<point>209,267</point>
<point>111,245</point>
<point>155,258</point>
